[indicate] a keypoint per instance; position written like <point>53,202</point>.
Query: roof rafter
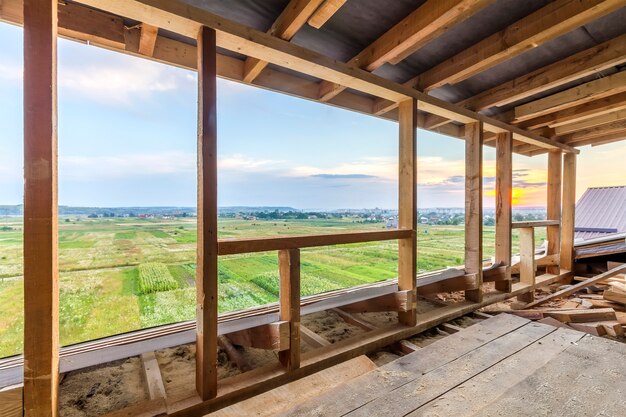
<point>148,38</point>
<point>591,122</point>
<point>426,23</point>
<point>325,12</point>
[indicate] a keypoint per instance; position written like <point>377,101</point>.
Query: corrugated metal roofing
<point>601,208</point>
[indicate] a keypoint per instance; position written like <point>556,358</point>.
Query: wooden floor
<point>503,366</point>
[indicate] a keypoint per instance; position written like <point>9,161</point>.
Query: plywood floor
<point>503,366</point>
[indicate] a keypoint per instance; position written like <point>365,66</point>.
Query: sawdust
<point>382,357</point>
<point>101,389</point>
<point>330,326</point>
<point>381,319</point>
<point>426,338</point>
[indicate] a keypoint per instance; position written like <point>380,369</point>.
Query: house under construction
<point>528,77</point>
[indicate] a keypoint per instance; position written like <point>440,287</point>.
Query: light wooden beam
<point>206,270</point>
<point>568,213</point>
<point>527,262</point>
<point>41,279</point>
<point>504,187</point>
<point>593,90</point>
<point>426,23</point>
<point>325,12</point>
<point>592,122</point>
<point>147,40</point>
<point>594,132</point>
<point>273,336</point>
<point>289,268</point>
<point>285,27</point>
<point>555,162</point>
<point>474,208</point>
<point>407,204</point>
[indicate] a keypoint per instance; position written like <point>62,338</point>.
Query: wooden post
<point>474,207</point>
<point>407,203</point>
<point>554,206</point>
<point>289,268</point>
<point>206,270</point>
<point>504,186</point>
<point>569,209</point>
<point>527,262</point>
<point>41,280</point>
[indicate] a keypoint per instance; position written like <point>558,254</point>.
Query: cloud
<point>11,72</point>
<point>343,176</point>
<point>243,163</point>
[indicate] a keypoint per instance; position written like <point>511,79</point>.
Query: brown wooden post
<point>289,268</point>
<point>41,280</point>
<point>206,270</point>
<point>554,206</point>
<point>474,207</point>
<point>527,262</point>
<point>504,187</point>
<point>407,204</point>
<point>569,209</point>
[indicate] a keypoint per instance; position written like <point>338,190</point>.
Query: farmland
<point>123,274</point>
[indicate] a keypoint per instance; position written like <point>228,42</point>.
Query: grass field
<point>118,275</point>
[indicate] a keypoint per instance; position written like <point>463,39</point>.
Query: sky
<point>127,137</point>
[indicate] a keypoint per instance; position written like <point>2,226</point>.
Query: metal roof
<point>601,208</point>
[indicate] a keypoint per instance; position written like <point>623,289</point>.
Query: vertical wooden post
<point>407,203</point>
<point>41,280</point>
<point>569,209</point>
<point>504,187</point>
<point>474,207</point>
<point>289,268</point>
<point>206,270</point>
<point>554,206</point>
<point>527,262</point>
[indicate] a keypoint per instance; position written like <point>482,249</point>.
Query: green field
<point>123,274</point>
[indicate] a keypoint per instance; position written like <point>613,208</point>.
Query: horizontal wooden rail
<point>535,223</point>
<point>233,247</point>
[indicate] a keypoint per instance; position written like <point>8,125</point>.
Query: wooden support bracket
<point>273,336</point>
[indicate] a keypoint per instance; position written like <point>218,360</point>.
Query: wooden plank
<point>534,223</point>
<point>474,207</point>
<point>232,247</point>
<point>553,233</point>
<point>289,269</point>
<point>568,213</point>
<point>273,336</point>
<point>407,203</point>
<point>147,40</point>
<point>389,377</point>
<point>400,301</point>
<point>11,402</point>
<point>311,338</point>
<point>423,388</point>
<point>152,374</point>
<point>355,321</point>
<point>527,261</point>
<point>468,399</point>
<point>287,396</point>
<point>577,287</point>
<point>591,122</point>
<point>581,315</point>
<point>288,23</point>
<point>41,279</point>
<point>407,347</point>
<point>593,90</point>
<point>325,12</point>
<point>206,270</point>
<point>584,136</point>
<point>504,187</point>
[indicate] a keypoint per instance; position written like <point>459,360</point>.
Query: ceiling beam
<point>584,93</point>
<point>592,122</point>
<point>594,132</point>
<point>148,38</point>
<point>426,23</point>
<point>285,27</point>
<point>325,12</point>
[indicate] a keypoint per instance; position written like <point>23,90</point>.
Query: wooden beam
<point>426,23</point>
<point>312,339</point>
<point>527,262</point>
<point>504,187</point>
<point>474,208</point>
<point>581,285</point>
<point>273,336</point>
<point>41,275</point>
<point>593,90</point>
<point>206,270</point>
<point>147,40</point>
<point>152,374</point>
<point>534,223</point>
<point>577,66</point>
<point>568,213</point>
<point>594,132</point>
<point>285,27</point>
<point>325,12</point>
<point>233,354</point>
<point>407,204</point>
<point>289,268</point>
<point>592,122</point>
<point>400,301</point>
<point>350,319</point>
<point>553,233</point>
<point>532,31</point>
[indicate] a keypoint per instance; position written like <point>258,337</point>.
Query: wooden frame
<point>289,268</point>
<point>474,207</point>
<point>504,187</point>
<point>41,280</point>
<point>568,214</point>
<point>206,270</point>
<point>553,233</point>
